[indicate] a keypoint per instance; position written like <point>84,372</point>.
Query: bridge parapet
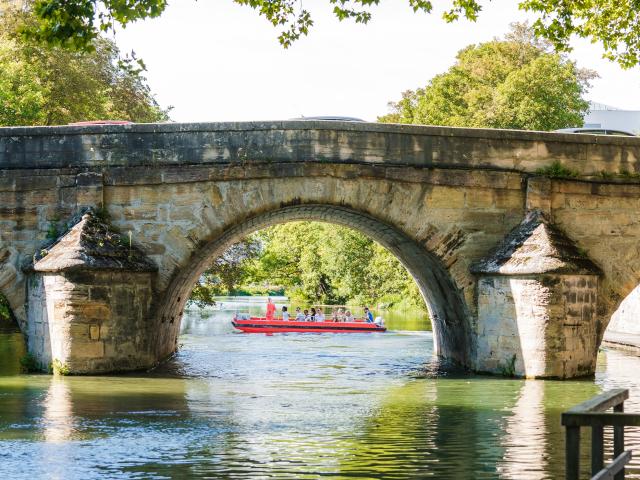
<point>100,146</point>
<point>448,195</point>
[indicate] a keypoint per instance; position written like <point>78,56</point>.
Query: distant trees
<point>315,263</point>
<point>512,83</point>
<point>227,272</point>
<point>41,85</point>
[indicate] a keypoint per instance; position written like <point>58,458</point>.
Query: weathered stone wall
<point>302,141</point>
<point>183,191</point>
<point>604,221</point>
<point>538,326</point>
<point>91,322</point>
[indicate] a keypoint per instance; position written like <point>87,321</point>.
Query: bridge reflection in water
<point>295,406</point>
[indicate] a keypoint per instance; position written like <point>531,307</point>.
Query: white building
<point>605,116</point>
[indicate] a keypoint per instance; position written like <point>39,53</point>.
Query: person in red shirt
<point>271,309</point>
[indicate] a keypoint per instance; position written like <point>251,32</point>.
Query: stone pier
<point>521,272</point>
<point>89,299</point>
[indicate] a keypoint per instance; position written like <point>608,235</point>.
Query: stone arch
<point>12,283</point>
<point>449,313</point>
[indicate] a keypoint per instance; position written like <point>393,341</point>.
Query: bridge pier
<point>537,299</point>
<point>89,299</point>
<point>448,194</point>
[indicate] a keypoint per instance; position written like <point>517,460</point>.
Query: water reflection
<point>295,406</point>
<point>58,415</point>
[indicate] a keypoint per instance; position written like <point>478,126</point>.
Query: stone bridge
<point>104,230</point>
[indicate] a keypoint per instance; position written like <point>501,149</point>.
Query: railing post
<point>572,454</point>
<point>618,440</point>
<point>597,449</point>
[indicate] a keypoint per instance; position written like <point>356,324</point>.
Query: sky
<point>219,61</point>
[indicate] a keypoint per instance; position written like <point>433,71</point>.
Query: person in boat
<point>341,314</point>
<point>334,316</point>
<point>285,313</point>
<point>307,317</point>
<point>368,316</point>
<point>271,309</point>
<point>348,317</point>
<point>320,315</point>
<point>299,315</point>
<point>312,315</point>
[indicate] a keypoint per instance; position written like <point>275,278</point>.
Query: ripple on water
<point>296,406</point>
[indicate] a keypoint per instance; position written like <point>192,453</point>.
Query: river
<point>232,405</point>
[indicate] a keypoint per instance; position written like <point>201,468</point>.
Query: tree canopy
<point>314,263</point>
<point>43,85</point>
<point>512,83</point>
<point>613,23</point>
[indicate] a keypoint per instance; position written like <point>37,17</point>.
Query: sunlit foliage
<point>613,23</point>
<point>315,263</point>
<point>512,83</point>
<point>40,85</point>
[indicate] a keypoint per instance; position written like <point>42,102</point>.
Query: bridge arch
<point>449,314</point>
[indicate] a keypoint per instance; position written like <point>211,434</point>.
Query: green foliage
<point>627,175</point>
<point>320,263</point>
<point>77,24</point>
<point>557,170</point>
<point>59,368</point>
<point>511,83</point>
<point>52,231</point>
<point>29,364</point>
<point>227,272</point>
<point>509,368</point>
<point>6,315</point>
<point>40,85</point>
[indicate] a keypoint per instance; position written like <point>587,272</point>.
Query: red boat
<point>262,325</point>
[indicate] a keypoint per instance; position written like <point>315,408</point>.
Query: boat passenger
<point>348,317</point>
<point>299,315</point>
<point>368,316</point>
<point>307,317</point>
<point>313,315</point>
<point>341,314</point>
<point>271,309</point>
<point>334,316</point>
<point>285,313</point>
<point>320,315</point>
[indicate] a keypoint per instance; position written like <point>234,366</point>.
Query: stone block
<point>477,198</point>
<point>94,332</point>
<point>95,311</point>
<point>445,197</point>
<point>89,349</point>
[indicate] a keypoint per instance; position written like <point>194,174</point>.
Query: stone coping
<point>363,127</point>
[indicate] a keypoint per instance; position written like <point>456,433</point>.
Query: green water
<point>233,405</point>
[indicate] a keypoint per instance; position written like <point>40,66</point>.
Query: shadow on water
<point>231,405</point>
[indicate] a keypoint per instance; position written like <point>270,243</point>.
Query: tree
<point>227,271</point>
<point>322,263</point>
<point>6,315</point>
<point>41,85</point>
<point>615,24</point>
<point>512,83</point>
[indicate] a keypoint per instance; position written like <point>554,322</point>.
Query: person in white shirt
<point>285,313</point>
<point>348,317</point>
<point>319,315</point>
<point>299,315</point>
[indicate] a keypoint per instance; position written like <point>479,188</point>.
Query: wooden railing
<point>592,413</point>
